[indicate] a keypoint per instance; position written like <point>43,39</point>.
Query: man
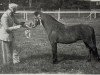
<point>8,22</point>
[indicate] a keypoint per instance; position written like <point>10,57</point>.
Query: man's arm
<point>21,23</point>
<point>18,23</point>
<point>4,22</point>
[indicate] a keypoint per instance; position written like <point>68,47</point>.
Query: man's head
<point>13,7</point>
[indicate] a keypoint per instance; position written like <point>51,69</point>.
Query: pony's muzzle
<point>32,25</point>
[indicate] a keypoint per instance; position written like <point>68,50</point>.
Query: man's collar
<point>10,12</point>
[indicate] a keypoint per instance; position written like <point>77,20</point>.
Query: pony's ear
<point>39,16</point>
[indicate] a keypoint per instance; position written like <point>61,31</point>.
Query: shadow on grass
<point>43,63</point>
<point>64,57</point>
<point>48,57</point>
<point>36,57</point>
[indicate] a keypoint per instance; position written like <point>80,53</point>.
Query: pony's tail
<point>95,48</point>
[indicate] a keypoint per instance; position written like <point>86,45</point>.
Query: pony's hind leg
<point>92,50</point>
<point>95,53</point>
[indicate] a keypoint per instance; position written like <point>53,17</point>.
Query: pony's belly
<point>67,40</point>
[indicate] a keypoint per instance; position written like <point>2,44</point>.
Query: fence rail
<point>59,12</point>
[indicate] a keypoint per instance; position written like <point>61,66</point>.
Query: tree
<point>30,3</point>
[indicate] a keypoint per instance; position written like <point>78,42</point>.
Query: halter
<point>40,22</point>
<point>40,19</point>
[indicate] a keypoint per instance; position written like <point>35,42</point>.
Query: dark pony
<point>59,33</point>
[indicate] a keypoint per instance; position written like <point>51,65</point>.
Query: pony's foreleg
<point>54,52</point>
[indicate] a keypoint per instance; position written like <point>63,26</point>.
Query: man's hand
<point>13,28</point>
<point>18,26</point>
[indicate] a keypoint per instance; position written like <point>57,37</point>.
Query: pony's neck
<point>47,28</point>
<point>50,23</point>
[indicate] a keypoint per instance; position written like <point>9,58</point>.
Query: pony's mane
<point>47,15</point>
<point>52,19</point>
<point>53,22</point>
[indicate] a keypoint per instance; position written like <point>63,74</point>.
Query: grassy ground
<point>36,55</point>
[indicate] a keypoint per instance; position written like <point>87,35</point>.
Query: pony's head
<point>37,18</point>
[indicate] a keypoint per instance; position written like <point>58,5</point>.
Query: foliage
<point>47,4</point>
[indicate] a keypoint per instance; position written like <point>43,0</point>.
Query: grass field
<point>36,55</point>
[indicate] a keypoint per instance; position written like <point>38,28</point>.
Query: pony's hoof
<point>98,59</point>
<point>55,61</point>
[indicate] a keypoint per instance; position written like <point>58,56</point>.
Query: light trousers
<point>7,52</point>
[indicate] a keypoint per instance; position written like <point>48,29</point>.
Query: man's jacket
<point>8,22</point>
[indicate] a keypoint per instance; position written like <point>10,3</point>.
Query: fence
<point>58,13</point>
<point>25,13</point>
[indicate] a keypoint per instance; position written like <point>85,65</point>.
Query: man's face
<point>14,10</point>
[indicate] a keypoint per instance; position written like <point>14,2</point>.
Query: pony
<point>60,33</point>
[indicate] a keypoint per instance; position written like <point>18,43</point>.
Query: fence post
<point>26,16</point>
<point>78,12</point>
<point>95,14</point>
<point>91,12</point>
<point>59,14</point>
